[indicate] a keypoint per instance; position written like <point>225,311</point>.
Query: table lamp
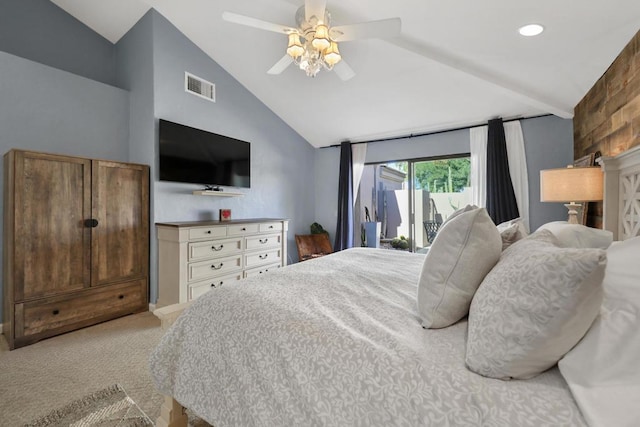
<point>579,184</point>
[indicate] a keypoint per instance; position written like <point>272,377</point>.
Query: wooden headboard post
<point>621,210</point>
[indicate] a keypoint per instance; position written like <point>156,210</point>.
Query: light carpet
<point>41,377</point>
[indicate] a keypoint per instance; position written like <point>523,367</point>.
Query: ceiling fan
<point>313,44</point>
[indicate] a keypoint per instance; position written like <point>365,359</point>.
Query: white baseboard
<point>151,308</point>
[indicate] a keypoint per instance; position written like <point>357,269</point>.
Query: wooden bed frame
<point>621,216</point>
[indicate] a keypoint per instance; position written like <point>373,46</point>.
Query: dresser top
<point>209,223</point>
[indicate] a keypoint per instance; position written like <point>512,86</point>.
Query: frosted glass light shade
<point>294,48</point>
<point>321,39</point>
<point>579,184</point>
<point>332,55</point>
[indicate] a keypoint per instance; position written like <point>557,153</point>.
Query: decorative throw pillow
<point>602,370</point>
<point>578,235</point>
<point>533,307</point>
<point>463,252</point>
<point>512,231</point>
<point>459,212</point>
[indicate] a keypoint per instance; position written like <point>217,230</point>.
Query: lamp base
<point>573,212</point>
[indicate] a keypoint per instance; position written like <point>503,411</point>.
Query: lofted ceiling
<point>456,63</point>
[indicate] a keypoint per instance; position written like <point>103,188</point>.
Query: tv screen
<point>196,156</point>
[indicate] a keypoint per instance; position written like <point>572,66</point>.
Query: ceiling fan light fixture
<point>321,38</point>
<point>294,48</point>
<point>531,30</point>
<point>332,55</point>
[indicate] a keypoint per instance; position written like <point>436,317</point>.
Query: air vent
<point>200,87</point>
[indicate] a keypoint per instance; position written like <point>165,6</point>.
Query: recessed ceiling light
<point>531,30</point>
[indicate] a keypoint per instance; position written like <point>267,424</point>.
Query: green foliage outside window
<point>440,176</point>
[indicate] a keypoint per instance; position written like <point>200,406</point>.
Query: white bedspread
<point>337,341</point>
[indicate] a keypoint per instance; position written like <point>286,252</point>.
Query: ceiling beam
<point>510,88</point>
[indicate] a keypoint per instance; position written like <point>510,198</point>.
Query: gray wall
<point>45,109</point>
<point>41,31</point>
<point>281,160</point>
<point>548,144</point>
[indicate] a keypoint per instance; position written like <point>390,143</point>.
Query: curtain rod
<point>415,135</point>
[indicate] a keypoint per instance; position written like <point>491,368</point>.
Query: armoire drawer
<point>214,248</point>
<point>263,257</point>
<point>200,288</point>
<point>55,313</point>
<point>263,241</point>
<point>213,268</point>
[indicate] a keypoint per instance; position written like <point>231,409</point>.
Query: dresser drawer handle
<point>263,256</point>
<point>208,231</point>
<point>271,226</point>
<point>213,285</point>
<point>264,241</point>
<point>243,229</point>
<point>120,296</point>
<point>217,268</point>
<point>56,312</point>
<point>217,249</point>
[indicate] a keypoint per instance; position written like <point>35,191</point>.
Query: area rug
<point>110,407</point>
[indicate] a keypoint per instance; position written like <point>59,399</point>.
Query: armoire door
<point>52,250</point>
<point>120,205</point>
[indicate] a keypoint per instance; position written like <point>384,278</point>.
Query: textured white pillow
<point>459,212</point>
<point>512,231</point>
<point>603,370</point>
<point>533,307</point>
<point>578,235</point>
<point>463,252</point>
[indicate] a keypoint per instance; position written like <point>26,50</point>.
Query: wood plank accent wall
<point>607,119</point>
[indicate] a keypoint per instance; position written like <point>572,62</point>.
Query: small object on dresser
<point>225,214</point>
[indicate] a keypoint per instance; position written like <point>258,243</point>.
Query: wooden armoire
<point>75,244</point>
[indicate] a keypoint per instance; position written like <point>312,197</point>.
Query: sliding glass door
<point>409,200</point>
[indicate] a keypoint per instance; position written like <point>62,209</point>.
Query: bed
<point>338,341</point>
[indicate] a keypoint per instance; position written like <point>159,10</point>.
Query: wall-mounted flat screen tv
<point>200,157</point>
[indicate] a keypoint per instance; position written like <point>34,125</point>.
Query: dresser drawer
<point>262,257</point>
<point>60,312</point>
<point>200,288</point>
<point>263,241</point>
<point>214,248</point>
<point>261,270</point>
<point>214,268</point>
<point>200,233</point>
<point>270,226</point>
<point>243,229</point>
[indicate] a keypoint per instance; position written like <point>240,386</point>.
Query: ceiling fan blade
<point>382,29</point>
<point>344,71</point>
<point>315,7</point>
<point>257,23</point>
<point>281,65</point>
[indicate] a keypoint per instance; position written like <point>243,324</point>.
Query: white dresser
<point>194,257</point>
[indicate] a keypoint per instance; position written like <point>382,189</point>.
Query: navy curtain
<point>501,200</point>
<point>344,227</point>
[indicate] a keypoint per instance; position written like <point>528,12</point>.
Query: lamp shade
<point>332,55</point>
<point>294,48</point>
<point>579,184</point>
<point>321,38</point>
